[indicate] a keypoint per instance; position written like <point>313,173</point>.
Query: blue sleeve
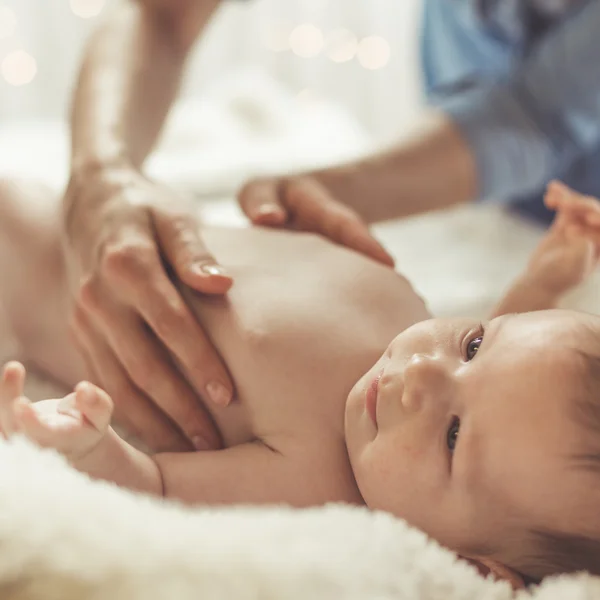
<point>528,126</point>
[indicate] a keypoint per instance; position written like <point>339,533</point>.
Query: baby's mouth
<point>371,396</point>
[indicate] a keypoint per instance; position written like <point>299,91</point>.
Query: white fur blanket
<point>65,537</point>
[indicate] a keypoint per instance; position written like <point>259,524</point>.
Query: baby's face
<point>465,431</point>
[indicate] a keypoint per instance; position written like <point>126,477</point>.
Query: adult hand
<point>304,204</point>
<point>124,234</point>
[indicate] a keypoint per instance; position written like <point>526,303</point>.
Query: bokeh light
<point>8,22</point>
<point>373,52</point>
<point>18,68</point>
<point>341,45</point>
<point>306,40</point>
<point>86,9</point>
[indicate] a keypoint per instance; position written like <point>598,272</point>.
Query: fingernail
<point>218,393</point>
<point>200,443</point>
<point>85,390</point>
<point>268,210</point>
<point>211,270</point>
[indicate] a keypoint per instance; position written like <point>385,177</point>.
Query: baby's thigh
<point>33,287</point>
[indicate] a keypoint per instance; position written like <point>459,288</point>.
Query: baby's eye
<point>452,435</point>
<point>473,347</point>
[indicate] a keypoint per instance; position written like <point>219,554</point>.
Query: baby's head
<point>487,437</point>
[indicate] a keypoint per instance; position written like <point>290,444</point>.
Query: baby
<point>484,435</point>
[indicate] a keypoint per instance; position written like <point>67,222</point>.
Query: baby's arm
<point>77,426</point>
<point>251,473</point>
<point>565,257</point>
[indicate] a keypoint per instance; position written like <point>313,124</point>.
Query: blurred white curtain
<point>384,94</point>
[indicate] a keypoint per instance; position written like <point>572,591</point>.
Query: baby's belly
<point>302,322</point>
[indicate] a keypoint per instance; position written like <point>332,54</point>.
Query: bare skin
<point>305,429</point>
<point>122,229</point>
<point>300,305</point>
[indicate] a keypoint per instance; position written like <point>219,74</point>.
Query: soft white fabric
<point>63,536</point>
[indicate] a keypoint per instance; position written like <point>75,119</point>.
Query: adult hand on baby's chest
<point>303,204</point>
<point>122,233</point>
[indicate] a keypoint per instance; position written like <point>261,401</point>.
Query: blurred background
<point>273,86</point>
<point>359,54</point>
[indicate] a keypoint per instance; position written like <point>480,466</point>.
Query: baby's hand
<point>73,425</point>
<point>569,252</point>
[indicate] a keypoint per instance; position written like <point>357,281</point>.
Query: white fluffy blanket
<point>63,536</point>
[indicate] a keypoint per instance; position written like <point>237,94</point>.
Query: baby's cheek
<point>393,481</point>
<point>410,453</point>
<point>391,460</point>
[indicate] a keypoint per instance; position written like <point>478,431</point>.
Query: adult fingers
<point>181,242</point>
<point>313,208</point>
<point>134,412</point>
<point>260,201</point>
<point>152,371</point>
<point>145,286</point>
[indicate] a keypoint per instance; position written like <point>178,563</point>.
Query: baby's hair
<point>559,552</point>
<point>585,409</point>
<point>556,553</point>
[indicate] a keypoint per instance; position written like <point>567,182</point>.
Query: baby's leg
<point>33,288</point>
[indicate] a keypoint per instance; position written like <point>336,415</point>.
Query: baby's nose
<point>423,377</point>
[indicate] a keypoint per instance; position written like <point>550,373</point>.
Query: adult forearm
<point>433,169</point>
<point>129,79</point>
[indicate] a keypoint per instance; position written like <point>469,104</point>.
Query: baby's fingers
<point>11,388</point>
<point>555,193</point>
<point>28,422</point>
<point>94,404</point>
<point>13,379</point>
<point>586,239</point>
<point>561,198</point>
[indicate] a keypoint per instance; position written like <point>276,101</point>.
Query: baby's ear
<point>488,566</point>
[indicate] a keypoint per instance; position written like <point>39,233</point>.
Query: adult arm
<point>518,132</point>
<point>123,231</point>
<point>494,141</point>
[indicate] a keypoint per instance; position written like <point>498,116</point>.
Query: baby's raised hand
<point>579,209</point>
<point>569,252</point>
<point>73,425</point>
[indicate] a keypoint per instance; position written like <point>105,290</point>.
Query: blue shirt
<point>521,79</point>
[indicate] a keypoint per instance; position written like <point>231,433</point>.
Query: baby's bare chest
<point>300,326</point>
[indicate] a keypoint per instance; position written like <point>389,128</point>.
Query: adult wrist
<point>88,170</point>
<point>347,184</point>
<point>91,184</point>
